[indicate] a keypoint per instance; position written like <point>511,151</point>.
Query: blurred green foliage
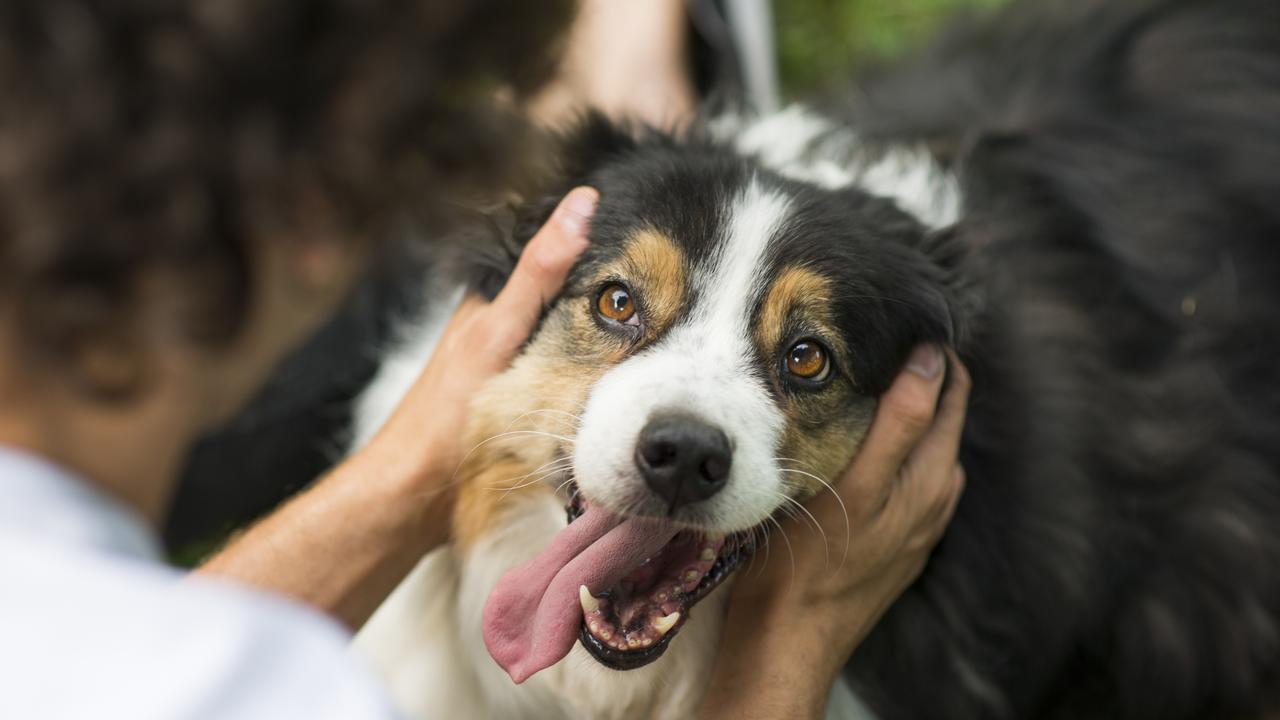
<point>823,41</point>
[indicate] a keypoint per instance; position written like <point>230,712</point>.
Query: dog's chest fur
<point>1115,552</point>
<point>427,637</point>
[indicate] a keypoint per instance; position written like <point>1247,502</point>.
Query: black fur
<point>1116,553</point>
<point>1114,286</point>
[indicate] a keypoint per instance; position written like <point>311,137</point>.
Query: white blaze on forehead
<point>727,287</point>
<point>705,366</point>
<point>802,145</point>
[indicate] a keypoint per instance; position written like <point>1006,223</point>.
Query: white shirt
<point>94,625</point>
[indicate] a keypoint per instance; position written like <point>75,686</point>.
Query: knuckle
<point>486,333</point>
<point>960,376</point>
<point>913,414</point>
<point>501,338</point>
<point>537,264</point>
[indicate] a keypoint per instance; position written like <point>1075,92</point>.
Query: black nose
<point>683,459</point>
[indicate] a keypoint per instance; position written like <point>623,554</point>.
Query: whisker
<point>534,481</point>
<point>560,464</point>
<point>562,485</point>
<point>790,553</point>
<point>826,548</point>
<point>844,511</point>
<point>577,420</point>
<point>502,435</point>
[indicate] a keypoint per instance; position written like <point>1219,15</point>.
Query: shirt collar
<point>44,502</point>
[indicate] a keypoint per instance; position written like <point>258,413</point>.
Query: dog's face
<point>718,350</point>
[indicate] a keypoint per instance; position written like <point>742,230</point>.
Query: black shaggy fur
<point>1117,551</point>
<point>1114,285</point>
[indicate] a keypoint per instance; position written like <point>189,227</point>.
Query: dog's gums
<point>630,624</point>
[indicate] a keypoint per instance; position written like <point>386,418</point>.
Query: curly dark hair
<point>152,138</point>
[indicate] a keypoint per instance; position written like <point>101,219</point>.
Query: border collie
<point>1083,198</point>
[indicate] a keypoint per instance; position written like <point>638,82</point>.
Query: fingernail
<point>925,361</point>
<point>576,209</point>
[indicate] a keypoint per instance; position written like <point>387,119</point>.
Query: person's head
<point>187,187</point>
<point>206,177</point>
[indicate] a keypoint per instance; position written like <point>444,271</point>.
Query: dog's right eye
<point>807,359</point>
<point>615,304</point>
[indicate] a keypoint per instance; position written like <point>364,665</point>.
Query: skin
<point>344,544</point>
<point>793,624</point>
<point>390,503</point>
<point>627,59</point>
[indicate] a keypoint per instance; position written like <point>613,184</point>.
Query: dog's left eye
<point>807,359</point>
<point>615,303</point>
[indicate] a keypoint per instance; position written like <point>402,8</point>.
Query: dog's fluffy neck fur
<point>1114,552</point>
<point>427,637</point>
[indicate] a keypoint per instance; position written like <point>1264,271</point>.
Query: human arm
<point>345,543</point>
<point>627,59</point>
<point>793,625</point>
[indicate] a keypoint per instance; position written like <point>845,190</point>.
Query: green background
<point>822,41</point>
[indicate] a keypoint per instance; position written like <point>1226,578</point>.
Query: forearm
<point>775,675</point>
<point>785,662</point>
<point>344,544</point>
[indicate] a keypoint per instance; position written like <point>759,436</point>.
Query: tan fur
<point>427,638</point>
<point>820,438</point>
<point>655,267</point>
<point>536,400</point>
<point>547,386</point>
<point>796,291</point>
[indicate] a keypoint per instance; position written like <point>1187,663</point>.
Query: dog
<point>1083,198</point>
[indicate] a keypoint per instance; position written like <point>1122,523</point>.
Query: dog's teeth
<point>664,624</point>
<point>692,575</point>
<point>708,554</point>
<point>589,604</point>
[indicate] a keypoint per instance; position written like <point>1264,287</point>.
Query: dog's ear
<point>484,252</point>
<point>927,307</point>
<point>915,277</point>
<point>590,143</point>
<point>913,292</point>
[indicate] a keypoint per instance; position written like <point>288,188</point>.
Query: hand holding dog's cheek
<point>808,609</point>
<point>479,342</point>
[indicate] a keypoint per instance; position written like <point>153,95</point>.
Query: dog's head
<point>715,356</point>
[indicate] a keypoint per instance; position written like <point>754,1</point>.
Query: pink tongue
<point>531,619</point>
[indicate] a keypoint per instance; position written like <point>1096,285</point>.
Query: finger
<point>953,488</point>
<point>940,446</point>
<point>905,412</point>
<point>542,268</point>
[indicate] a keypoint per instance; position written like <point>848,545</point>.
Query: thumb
<point>543,266</point>
<point>904,415</point>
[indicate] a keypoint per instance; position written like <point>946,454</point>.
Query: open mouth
<point>631,623</point>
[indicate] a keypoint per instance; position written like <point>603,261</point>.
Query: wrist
<point>414,493</point>
<point>775,661</point>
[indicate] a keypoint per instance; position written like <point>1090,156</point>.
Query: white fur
<point>801,145</point>
<point>427,637</point>
<point>702,366</point>
<point>401,366</point>
<point>427,641</point>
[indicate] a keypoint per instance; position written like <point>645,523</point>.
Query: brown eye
<point>615,304</point>
<point>807,359</point>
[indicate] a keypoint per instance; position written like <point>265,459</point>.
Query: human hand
<point>794,620</point>
<point>344,544</point>
<point>422,441</point>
